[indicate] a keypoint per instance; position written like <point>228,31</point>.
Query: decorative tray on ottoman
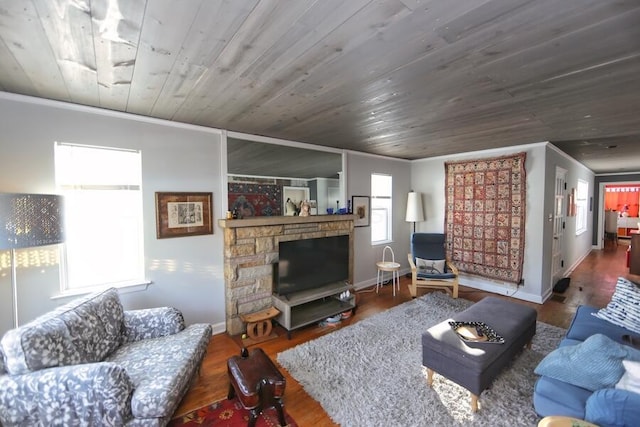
<point>476,332</point>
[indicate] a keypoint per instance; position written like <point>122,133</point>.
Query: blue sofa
<point>91,363</point>
<point>605,407</point>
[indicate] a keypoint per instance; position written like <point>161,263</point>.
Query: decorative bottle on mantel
<point>349,206</point>
<point>337,206</point>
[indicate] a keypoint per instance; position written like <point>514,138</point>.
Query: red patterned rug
<point>485,216</point>
<point>228,413</point>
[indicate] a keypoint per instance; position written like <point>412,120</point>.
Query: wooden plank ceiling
<point>404,78</point>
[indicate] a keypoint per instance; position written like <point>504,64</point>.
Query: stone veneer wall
<point>251,248</point>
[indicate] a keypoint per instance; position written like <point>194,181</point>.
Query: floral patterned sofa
<point>90,363</point>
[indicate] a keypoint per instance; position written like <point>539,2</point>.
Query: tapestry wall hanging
<point>255,199</point>
<point>485,216</point>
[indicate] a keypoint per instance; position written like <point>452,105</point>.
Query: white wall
<point>360,167</point>
<point>575,247</point>
<point>428,177</point>
<point>186,272</point>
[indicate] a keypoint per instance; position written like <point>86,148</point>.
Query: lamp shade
<point>28,220</point>
<point>414,207</point>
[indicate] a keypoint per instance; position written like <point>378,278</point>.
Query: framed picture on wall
<point>183,214</point>
<point>362,210</point>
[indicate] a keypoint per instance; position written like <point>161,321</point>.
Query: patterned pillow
<point>593,364</point>
<point>430,266</point>
<point>624,307</point>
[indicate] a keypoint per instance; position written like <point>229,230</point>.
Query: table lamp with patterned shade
<point>26,221</point>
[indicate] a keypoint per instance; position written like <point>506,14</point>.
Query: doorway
<point>624,198</point>
<point>557,262</point>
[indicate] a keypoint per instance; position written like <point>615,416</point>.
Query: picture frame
<point>361,207</point>
<point>183,214</point>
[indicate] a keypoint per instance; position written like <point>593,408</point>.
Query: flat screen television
<point>311,263</point>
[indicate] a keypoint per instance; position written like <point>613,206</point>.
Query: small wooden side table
<point>259,325</point>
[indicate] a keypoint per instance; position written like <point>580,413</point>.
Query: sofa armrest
<point>152,323</point>
<point>88,394</point>
<point>613,407</point>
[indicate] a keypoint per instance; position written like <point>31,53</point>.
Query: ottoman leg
<point>474,403</point>
<point>430,376</point>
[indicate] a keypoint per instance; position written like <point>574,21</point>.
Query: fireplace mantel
<point>261,221</point>
<point>251,248</point>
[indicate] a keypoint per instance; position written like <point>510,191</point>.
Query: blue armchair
<point>430,267</point>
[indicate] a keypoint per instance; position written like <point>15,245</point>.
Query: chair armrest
<point>152,323</point>
<point>411,263</point>
<point>88,394</point>
<point>452,267</point>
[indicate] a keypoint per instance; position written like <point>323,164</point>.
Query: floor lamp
<point>414,209</point>
<point>27,221</point>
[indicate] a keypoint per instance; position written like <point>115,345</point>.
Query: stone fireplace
<point>251,249</point>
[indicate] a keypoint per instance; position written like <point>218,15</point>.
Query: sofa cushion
<point>160,369</point>
<point>585,324</point>
<point>624,307</point>
<point>593,364</point>
<point>613,408</point>
<point>553,397</point>
<point>85,330</point>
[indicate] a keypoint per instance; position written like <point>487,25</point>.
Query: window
<point>381,202</point>
<point>103,215</point>
<point>582,194</point>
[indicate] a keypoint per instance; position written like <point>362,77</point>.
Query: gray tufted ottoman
<point>475,365</point>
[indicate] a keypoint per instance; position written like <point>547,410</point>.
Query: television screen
<point>311,263</point>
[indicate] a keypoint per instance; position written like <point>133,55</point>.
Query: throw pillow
<point>624,307</point>
<point>630,380</point>
<point>430,266</point>
<point>593,364</point>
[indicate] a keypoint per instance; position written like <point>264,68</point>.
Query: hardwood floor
<point>592,283</point>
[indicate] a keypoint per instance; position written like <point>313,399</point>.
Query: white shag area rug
<point>371,374</point>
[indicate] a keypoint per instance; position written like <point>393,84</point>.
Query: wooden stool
<point>257,383</point>
<point>259,323</point>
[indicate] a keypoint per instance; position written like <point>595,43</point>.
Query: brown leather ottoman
<point>257,382</point>
<point>474,366</point>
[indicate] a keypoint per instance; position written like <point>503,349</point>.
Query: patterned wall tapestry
<point>485,216</point>
<point>255,199</point>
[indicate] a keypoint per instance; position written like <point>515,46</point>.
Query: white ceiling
<point>402,78</point>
